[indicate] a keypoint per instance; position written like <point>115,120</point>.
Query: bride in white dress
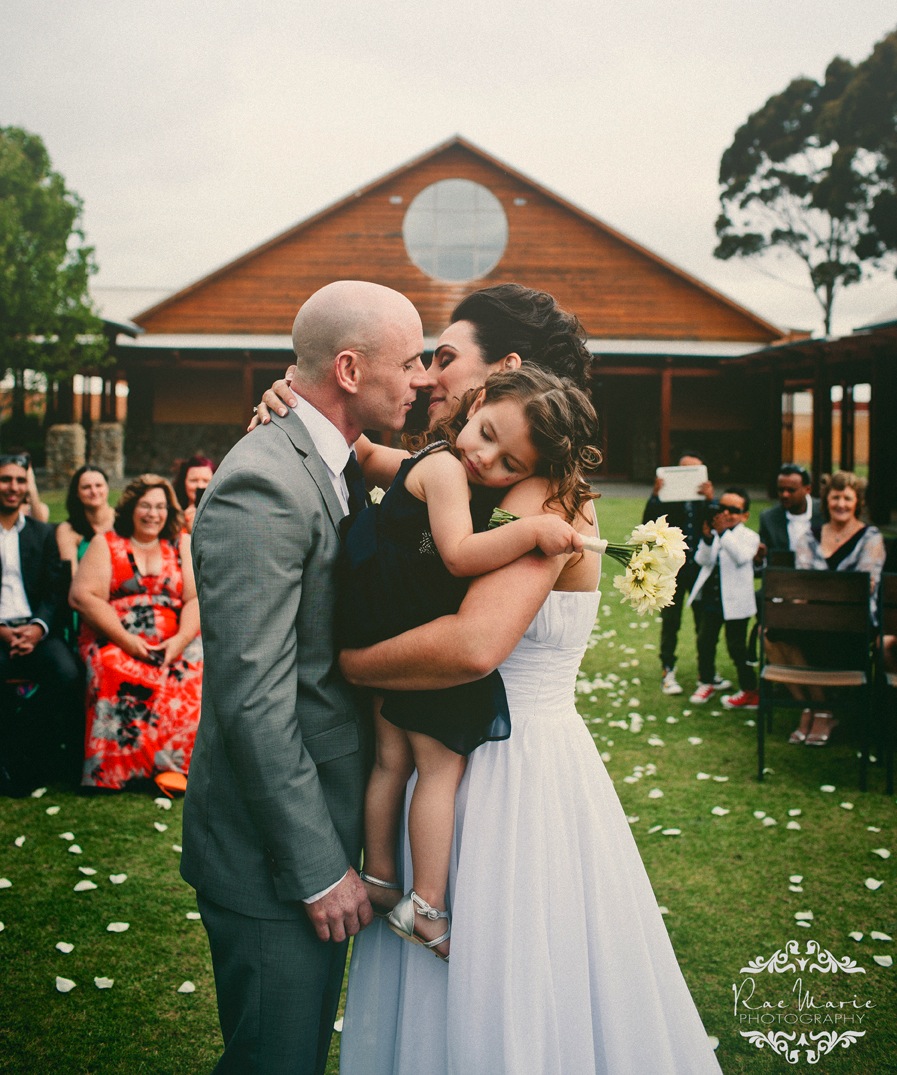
<point>560,960</point>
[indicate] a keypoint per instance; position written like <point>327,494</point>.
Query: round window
<point>455,230</point>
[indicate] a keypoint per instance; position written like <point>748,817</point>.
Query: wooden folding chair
<point>815,602</point>
<point>887,680</point>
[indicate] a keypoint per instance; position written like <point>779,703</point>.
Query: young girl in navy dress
<point>406,562</point>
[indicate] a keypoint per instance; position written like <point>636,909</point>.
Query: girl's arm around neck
<point>440,480</point>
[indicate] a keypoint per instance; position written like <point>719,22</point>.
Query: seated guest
<point>30,598</point>
<point>194,475</point>
<point>841,543</point>
<point>89,513</point>
<point>782,526</point>
<point>134,590</point>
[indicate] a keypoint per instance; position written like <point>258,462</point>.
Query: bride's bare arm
<point>496,611</point>
<point>277,398</point>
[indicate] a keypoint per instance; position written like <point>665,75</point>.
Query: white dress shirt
<point>798,525</point>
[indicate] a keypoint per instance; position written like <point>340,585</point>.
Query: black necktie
<point>358,494</point>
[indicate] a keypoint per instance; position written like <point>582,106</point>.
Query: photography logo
<point>779,1005</point>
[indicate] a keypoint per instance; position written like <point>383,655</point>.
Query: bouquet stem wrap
<point>652,556</point>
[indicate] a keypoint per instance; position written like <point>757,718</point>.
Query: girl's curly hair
<point>562,424</point>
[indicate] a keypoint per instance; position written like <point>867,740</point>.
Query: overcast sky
<point>195,130</point>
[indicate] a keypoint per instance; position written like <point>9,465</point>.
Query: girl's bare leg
<point>431,824</point>
<point>384,797</point>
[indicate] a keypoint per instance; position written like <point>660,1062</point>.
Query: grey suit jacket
<point>774,526</point>
<point>273,812</point>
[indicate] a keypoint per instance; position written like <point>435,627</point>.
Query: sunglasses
<point>17,460</point>
<point>730,509</point>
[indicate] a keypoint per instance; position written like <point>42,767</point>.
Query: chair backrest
<point>887,604</point>
<point>816,601</point>
<point>780,558</point>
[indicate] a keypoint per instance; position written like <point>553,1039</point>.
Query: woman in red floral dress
<point>139,641</point>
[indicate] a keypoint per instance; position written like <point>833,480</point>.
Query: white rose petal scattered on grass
<point>655,793</point>
<point>2,927</point>
<point>38,793</point>
<point>882,852</point>
<point>118,927</point>
<point>654,828</point>
<point>52,810</point>
<point>806,925</point>
<point>633,819</point>
<point>672,720</point>
<point>796,878</point>
<point>65,947</point>
<point>721,779</point>
<point>855,935</point>
<point>795,888</point>
<point>671,832</point>
<point>338,1025</point>
<point>5,882</point>
<point>84,886</point>
<point>883,961</point>
<point>768,822</point>
<point>714,1042</point>
<point>118,878</point>
<point>720,811</point>
<point>846,806</point>
<point>67,836</point>
<point>88,871</point>
<point>74,849</point>
<point>695,740</point>
<point>794,813</point>
<point>163,803</point>
<point>186,987</point>
<point>176,848</point>
<point>872,828</point>
<point>64,985</point>
<point>702,776</point>
<point>793,825</point>
<point>104,983</point>
<point>872,884</point>
<point>160,826</point>
<point>827,788</point>
<point>751,723</point>
<point>193,916</point>
<point>803,916</point>
<point>759,814</point>
<point>19,840</point>
<point>877,935</point>
<point>663,910</point>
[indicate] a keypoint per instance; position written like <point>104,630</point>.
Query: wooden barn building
<point>666,374</point>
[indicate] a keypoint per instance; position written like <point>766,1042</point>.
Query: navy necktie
<point>358,494</point>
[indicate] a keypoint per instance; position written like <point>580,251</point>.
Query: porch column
<point>848,426</point>
<point>882,494</point>
<point>666,402</point>
<point>822,425</point>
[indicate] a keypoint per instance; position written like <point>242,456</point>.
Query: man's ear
<point>513,361</point>
<point>347,367</point>
<point>477,403</point>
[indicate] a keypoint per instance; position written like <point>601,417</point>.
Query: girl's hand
<point>554,536</point>
<point>273,399</point>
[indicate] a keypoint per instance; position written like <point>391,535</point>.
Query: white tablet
<point>681,483</point>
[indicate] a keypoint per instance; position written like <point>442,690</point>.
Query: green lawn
<point>724,879</point>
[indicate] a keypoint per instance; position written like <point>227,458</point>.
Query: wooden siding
<point>618,289</point>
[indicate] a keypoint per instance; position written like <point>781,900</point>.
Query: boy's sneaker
<point>703,693</point>
<point>741,700</point>
<point>669,684</point>
<point>720,684</point>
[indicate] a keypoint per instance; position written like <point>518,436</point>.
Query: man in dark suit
<point>273,814</point>
<point>795,513</point>
<point>31,585</point>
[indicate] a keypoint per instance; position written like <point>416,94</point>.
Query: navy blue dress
<point>392,580</point>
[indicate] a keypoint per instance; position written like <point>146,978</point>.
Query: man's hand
<point>343,912</point>
<point>705,489</point>
<point>24,639</point>
<point>658,485</point>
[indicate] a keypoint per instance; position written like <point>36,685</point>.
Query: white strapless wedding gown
<point>560,960</point>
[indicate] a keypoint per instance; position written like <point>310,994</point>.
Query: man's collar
<point>329,442</point>
<point>19,524</point>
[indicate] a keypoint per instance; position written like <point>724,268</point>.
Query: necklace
<point>145,544</point>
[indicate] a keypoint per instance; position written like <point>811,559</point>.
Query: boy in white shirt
<point>725,588</point>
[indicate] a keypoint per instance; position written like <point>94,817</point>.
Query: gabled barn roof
<point>619,289</point>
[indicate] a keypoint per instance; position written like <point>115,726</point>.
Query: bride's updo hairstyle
<point>510,318</point>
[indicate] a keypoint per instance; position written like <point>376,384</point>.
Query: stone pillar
<point>64,453</point>
<point>107,448</point>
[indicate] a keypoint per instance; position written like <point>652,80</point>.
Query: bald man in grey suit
<point>273,814</point>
